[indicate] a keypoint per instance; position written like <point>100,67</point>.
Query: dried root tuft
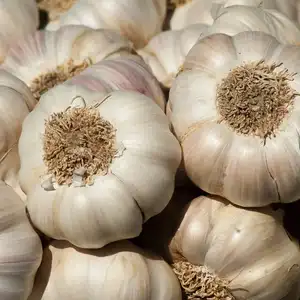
<point>199,283</point>
<point>78,139</point>
<point>44,82</point>
<point>254,98</point>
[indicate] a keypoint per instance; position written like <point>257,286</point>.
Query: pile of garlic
<point>149,150</point>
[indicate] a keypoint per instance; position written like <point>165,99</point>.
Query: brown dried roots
<point>199,283</point>
<point>55,7</point>
<point>60,74</point>
<point>78,138</point>
<point>255,98</point>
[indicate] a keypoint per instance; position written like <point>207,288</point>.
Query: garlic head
<point>234,108</point>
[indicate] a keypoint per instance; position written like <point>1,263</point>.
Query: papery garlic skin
<point>43,51</point>
<point>246,169</point>
<point>165,53</point>
<point>206,11</point>
<point>139,20</point>
<point>248,248</point>
<point>139,182</point>
<point>18,18</point>
<point>21,248</point>
<point>118,271</point>
<point>16,101</point>
<point>128,72</point>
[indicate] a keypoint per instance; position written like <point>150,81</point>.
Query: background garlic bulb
<point>234,109</point>
<point>165,53</point>
<point>138,20</point>
<point>16,101</point>
<point>48,58</point>
<point>240,253</point>
<point>127,72</point>
<point>245,253</point>
<point>205,11</point>
<point>118,271</point>
<point>21,248</point>
<point>18,19</point>
<point>93,196</point>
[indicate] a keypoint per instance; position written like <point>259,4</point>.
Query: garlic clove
<point>196,11</point>
<point>201,100</point>
<point>207,148</point>
<point>213,56</point>
<point>255,46</point>
<point>283,159</point>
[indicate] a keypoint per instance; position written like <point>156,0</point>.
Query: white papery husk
<point>21,248</point>
<point>139,20</point>
<point>248,249</point>
<point>247,170</point>
<point>16,101</point>
<point>139,182</point>
<point>118,271</point>
<point>128,72</point>
<point>165,53</point>
<point>18,19</point>
<point>206,11</point>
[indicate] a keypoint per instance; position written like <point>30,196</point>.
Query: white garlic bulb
<point>206,11</point>
<point>234,109</point>
<point>118,271</point>
<point>139,20</point>
<point>21,248</point>
<point>127,72</point>
<point>16,101</point>
<point>129,155</point>
<point>165,53</point>
<point>227,251</point>
<point>18,19</point>
<point>47,58</point>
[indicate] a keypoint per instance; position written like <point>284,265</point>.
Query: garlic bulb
<point>16,101</point>
<point>238,253</point>
<point>48,58</point>
<point>21,248</point>
<point>234,109</point>
<point>206,11</point>
<point>139,20</point>
<point>119,271</point>
<point>18,19</point>
<point>166,52</point>
<point>127,72</point>
<point>100,166</point>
